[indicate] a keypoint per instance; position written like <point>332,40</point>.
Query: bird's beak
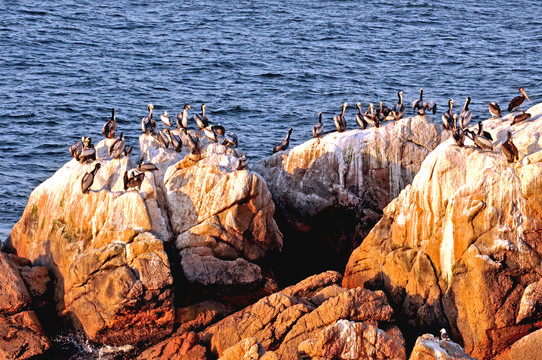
<point>524,93</point>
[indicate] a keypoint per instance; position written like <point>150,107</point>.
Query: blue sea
<point>259,66</point>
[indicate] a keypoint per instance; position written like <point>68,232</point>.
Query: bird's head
<point>522,91</point>
<point>150,107</point>
<point>186,107</point>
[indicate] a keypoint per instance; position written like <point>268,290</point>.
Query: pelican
<point>110,126</point>
<point>360,119</point>
<point>230,140</point>
<point>182,118</point>
<point>318,128</point>
<point>175,140</point>
<point>88,178</point>
<point>88,153</point>
<point>483,133</point>
<point>285,143</point>
<point>76,148</point>
<point>339,120</point>
<point>128,150</point>
<point>163,138</point>
<point>382,112</point>
<point>465,116</point>
<point>516,102</point>
<point>220,130</point>
<point>480,141</point>
<point>209,131</point>
<point>399,108</point>
<point>242,162</point>
<point>521,117</point>
<point>510,150</point>
<point>193,142</point>
<point>457,133</point>
<point>146,167</point>
<point>422,106</point>
<point>117,147</point>
<point>447,117</point>
<point>166,119</point>
<point>494,110</point>
<point>370,116</point>
<point>133,180</point>
<point>201,120</point>
<point>148,125</point>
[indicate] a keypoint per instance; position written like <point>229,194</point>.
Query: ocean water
<point>259,66</point>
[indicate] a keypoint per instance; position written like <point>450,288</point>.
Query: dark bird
<point>117,148</point>
<point>370,116</point>
<point>133,180</point>
<point>182,117</point>
<point>399,108</point>
<point>193,142</point>
<point>339,120</point>
<point>318,128</point>
<point>163,138</point>
<point>510,150</point>
<point>220,130</point>
<point>483,133</point>
<point>382,112</point>
<point>447,117</point>
<point>360,119</point>
<point>76,148</point>
<point>146,167</point>
<point>201,120</point>
<point>128,150</point>
<point>148,125</point>
<point>166,120</point>
<point>521,117</point>
<point>110,126</point>
<point>285,143</point>
<point>422,106</point>
<point>88,153</point>
<point>242,162</point>
<point>209,131</point>
<point>457,133</point>
<point>494,110</point>
<point>444,335</point>
<point>175,140</point>
<point>516,102</point>
<point>230,140</point>
<point>466,115</point>
<point>88,178</point>
<point>480,141</point>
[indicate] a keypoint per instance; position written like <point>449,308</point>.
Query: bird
<point>483,133</point>
<point>447,117</point>
<point>285,143</point>
<point>494,110</point>
<point>117,148</point>
<point>318,128</point>
<point>148,125</point>
<point>360,119</point>
<point>242,162</point>
<point>110,126</point>
<point>193,142</point>
<point>457,133</point>
<point>201,120</point>
<point>444,335</point>
<point>166,120</point>
<point>133,180</point>
<point>230,140</point>
<point>521,117</point>
<point>480,141</point>
<point>174,140</point>
<point>422,106</point>
<point>340,122</point>
<point>88,178</point>
<point>88,152</point>
<point>466,115</point>
<point>510,150</point>
<point>516,102</point>
<point>220,130</point>
<point>382,112</point>
<point>163,138</point>
<point>399,108</point>
<point>76,148</point>
<point>146,167</point>
<point>182,117</point>
<point>209,131</point>
<point>128,150</point>
<point>370,116</point>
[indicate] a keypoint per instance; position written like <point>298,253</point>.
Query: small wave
<point>270,75</point>
<point>19,116</point>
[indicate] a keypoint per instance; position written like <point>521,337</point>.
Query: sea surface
<point>259,66</point>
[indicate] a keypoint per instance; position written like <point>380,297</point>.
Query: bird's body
<point>128,150</point>
<point>174,140</point>
<point>148,125</point>
<point>444,335</point>
<point>117,148</point>
<point>421,106</point>
<point>318,128</point>
<point>163,138</point>
<point>466,115</point>
<point>133,181</point>
<point>521,117</point>
<point>457,133</point>
<point>370,116</point>
<point>182,118</point>
<point>284,144</point>
<point>242,162</point>
<point>88,152</point>
<point>166,120</point>
<point>494,110</point>
<point>516,102</point>
<point>339,120</point>
<point>360,119</point>
<point>193,142</point>
<point>231,140</point>
<point>447,117</point>
<point>201,120</point>
<point>220,130</point>
<point>480,141</point>
<point>484,133</point>
<point>76,148</point>
<point>209,131</point>
<point>399,108</point>
<point>110,126</point>
<point>510,150</point>
<point>88,178</point>
<point>146,167</point>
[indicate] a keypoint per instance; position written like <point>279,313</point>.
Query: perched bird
<point>193,142</point>
<point>174,140</point>
<point>494,110</point>
<point>422,106</point>
<point>220,130</point>
<point>318,128</point>
<point>370,116</point>
<point>110,126</point>
<point>466,115</point>
<point>457,133</point>
<point>128,150</point>
<point>146,167</point>
<point>516,102</point>
<point>209,131</point>
<point>201,120</point>
<point>117,148</point>
<point>88,153</point>
<point>399,108</point>
<point>380,113</point>
<point>483,133</point>
<point>182,117</point>
<point>510,150</point>
<point>148,125</point>
<point>521,117</point>
<point>133,180</point>
<point>339,120</point>
<point>360,119</point>
<point>166,120</point>
<point>76,148</point>
<point>163,138</point>
<point>447,117</point>
<point>230,140</point>
<point>285,143</point>
<point>88,178</point>
<point>242,162</point>
<point>480,141</point>
<point>444,335</point>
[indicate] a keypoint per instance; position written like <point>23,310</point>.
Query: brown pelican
<point>117,148</point>
<point>370,116</point>
<point>209,131</point>
<point>382,112</point>
<point>133,180</point>
<point>201,120</point>
<point>193,142</point>
<point>128,150</point>
<point>510,150</point>
<point>230,140</point>
<point>110,126</point>
<point>457,133</point>
<point>480,141</point>
<point>242,162</point>
<point>521,117</point>
<point>88,178</point>
<point>219,130</point>
<point>285,143</point>
<point>516,102</point>
<point>148,125</point>
<point>166,119</point>
<point>399,108</point>
<point>483,133</point>
<point>447,117</point>
<point>163,138</point>
<point>175,140</point>
<point>88,153</point>
<point>146,167</point>
<point>318,128</point>
<point>422,106</point>
<point>76,148</point>
<point>339,120</point>
<point>465,116</point>
<point>182,118</point>
<point>494,110</point>
<point>360,119</point>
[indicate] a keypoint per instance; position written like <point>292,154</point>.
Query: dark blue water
<point>260,66</point>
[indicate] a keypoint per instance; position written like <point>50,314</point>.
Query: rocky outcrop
<point>181,347</point>
<point>428,347</point>
<point>330,192</point>
<point>248,348</point>
<point>527,348</point>
<point>461,245</point>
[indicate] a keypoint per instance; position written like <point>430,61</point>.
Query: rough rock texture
<point>198,316</point>
<point>183,347</point>
<point>248,348</point>
<point>430,348</point>
<point>112,275</point>
<point>330,192</point>
<point>281,321</point>
<point>462,244</point>
<point>21,334</point>
<point>353,340</point>
<point>527,348</point>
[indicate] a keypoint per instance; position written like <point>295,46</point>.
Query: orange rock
<point>183,347</point>
<point>428,347</point>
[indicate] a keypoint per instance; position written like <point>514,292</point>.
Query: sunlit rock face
<point>330,192</point>
<point>461,245</point>
<point>429,347</point>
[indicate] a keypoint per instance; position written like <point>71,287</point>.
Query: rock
<point>183,347</point>
<point>530,306</point>
<point>527,348</point>
<point>428,347</point>
<point>352,340</point>
<point>330,192</point>
<point>458,247</point>
<point>198,316</point>
<point>248,348</point>
<point>112,274</point>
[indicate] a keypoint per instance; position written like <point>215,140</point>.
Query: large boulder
<point>104,250</point>
<point>430,348</point>
<point>330,192</point>
<point>461,245</point>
